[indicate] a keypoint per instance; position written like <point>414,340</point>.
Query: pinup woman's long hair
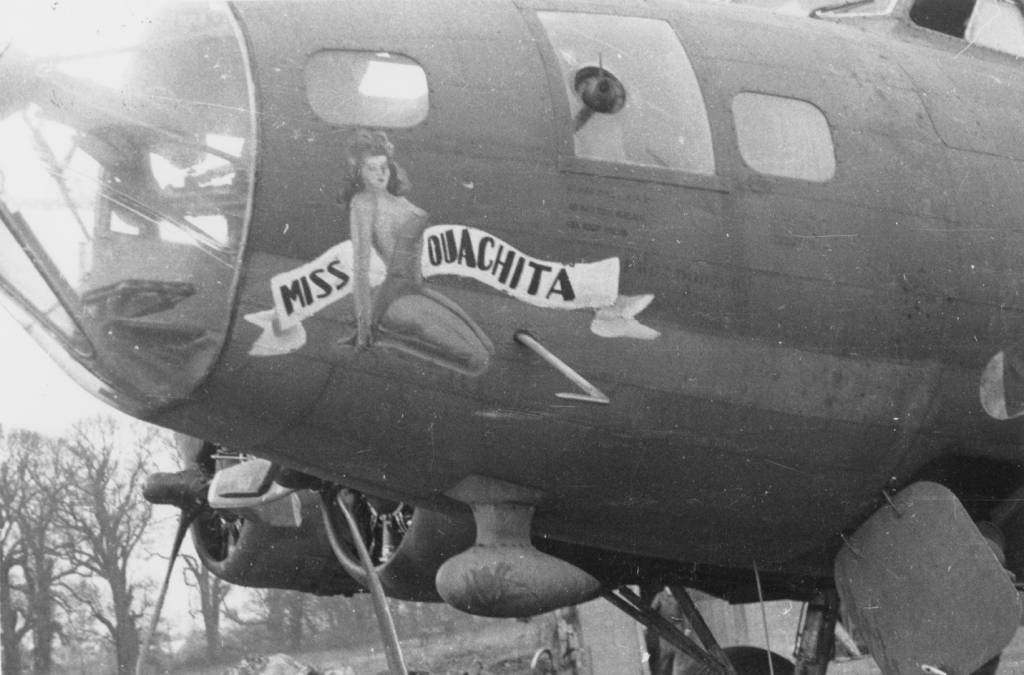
<point>365,143</point>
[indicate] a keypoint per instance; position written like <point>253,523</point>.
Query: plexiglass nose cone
<point>127,169</point>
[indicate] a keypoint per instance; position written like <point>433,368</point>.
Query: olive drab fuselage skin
<point>780,339</point>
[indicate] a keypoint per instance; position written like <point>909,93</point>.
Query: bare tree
<point>13,493</point>
<point>212,592</point>
<point>104,519</point>
<point>37,520</point>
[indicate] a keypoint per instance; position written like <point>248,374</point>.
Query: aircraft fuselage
<point>787,317</point>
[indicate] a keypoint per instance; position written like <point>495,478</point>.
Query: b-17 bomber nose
<point>125,185</point>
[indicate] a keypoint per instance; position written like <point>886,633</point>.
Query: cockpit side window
<point>634,97</point>
<point>996,24</point>
<point>945,16</point>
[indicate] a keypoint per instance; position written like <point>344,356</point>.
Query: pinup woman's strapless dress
<point>410,317</point>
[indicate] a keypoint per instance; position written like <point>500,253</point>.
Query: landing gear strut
<point>818,635</point>
<point>711,657</point>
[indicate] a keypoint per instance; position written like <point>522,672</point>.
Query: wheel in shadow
<point>754,661</point>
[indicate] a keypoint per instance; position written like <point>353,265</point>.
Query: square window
<point>785,137</point>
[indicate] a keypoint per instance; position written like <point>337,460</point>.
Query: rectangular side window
<point>633,94</point>
<point>372,89</point>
